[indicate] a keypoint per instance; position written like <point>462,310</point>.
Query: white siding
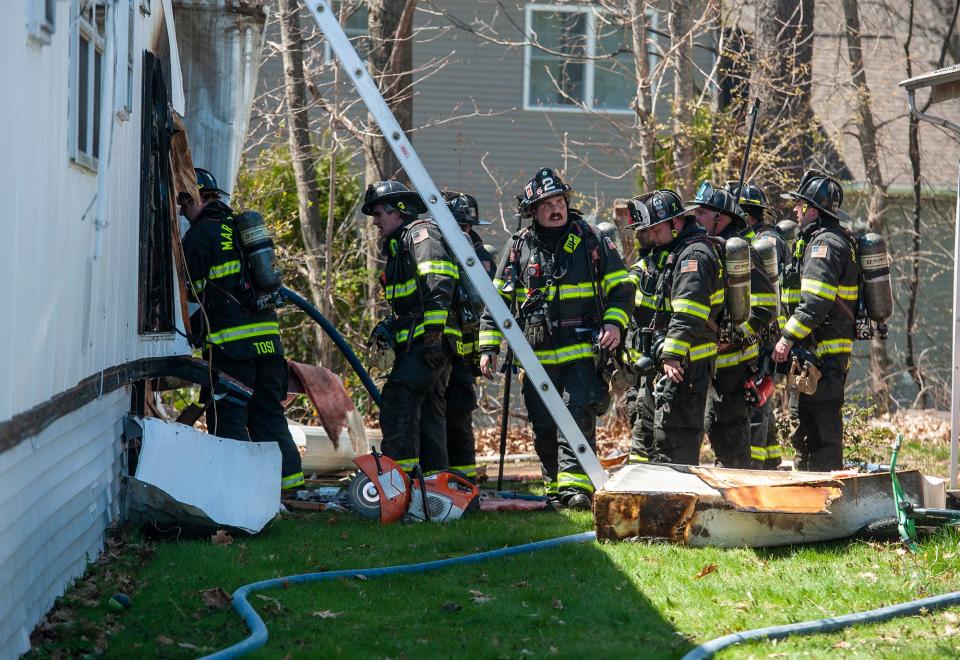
<point>70,288</point>
<point>58,494</point>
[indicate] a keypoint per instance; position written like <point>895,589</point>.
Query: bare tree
<point>645,124</point>
<point>681,40</point>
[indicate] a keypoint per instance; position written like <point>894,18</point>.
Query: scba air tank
<point>766,247</point>
<point>736,260</point>
<point>877,290</point>
<point>258,251</point>
<point>788,230</point>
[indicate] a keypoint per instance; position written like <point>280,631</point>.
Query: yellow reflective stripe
<point>450,330</point>
<point>818,288</point>
<point>717,297</point>
<point>467,347</point>
<point>750,352</point>
<point>199,284</point>
<point>834,347</point>
<point>574,480</point>
<point>565,354</point>
<point>244,332</point>
<point>224,269</point>
<point>292,480</point>
<point>747,329</point>
<point>638,458</point>
<point>733,358</point>
<point>763,300</point>
<point>796,329</point>
<point>643,300</point>
<point>691,307</point>
<point>407,464</point>
<point>703,351</point>
<point>758,453</point>
<point>790,296</point>
<point>848,292</point>
<point>781,320</point>
<point>466,470</point>
<point>438,268</point>
<point>490,338</point>
<point>610,280</point>
<point>573,291</point>
<point>400,290</point>
<point>552,487</point>
<point>616,314</point>
<point>774,451</point>
<point>435,317</point>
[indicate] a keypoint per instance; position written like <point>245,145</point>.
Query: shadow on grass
<point>569,601</point>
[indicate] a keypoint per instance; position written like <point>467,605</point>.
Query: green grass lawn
<point>586,600</point>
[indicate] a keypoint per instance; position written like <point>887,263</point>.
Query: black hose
<point>337,338</point>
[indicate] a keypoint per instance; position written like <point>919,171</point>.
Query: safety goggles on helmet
<point>719,200</point>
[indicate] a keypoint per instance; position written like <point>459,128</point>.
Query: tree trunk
<point>643,104</point>
<point>390,29</point>
<point>301,153</point>
<point>681,40</point>
<point>782,66</point>
<point>876,191</point>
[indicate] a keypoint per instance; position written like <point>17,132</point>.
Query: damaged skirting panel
<point>198,483</point>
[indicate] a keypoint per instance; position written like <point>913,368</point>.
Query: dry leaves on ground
<point>706,570</point>
<point>216,598</point>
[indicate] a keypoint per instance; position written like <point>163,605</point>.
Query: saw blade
<point>363,496</point>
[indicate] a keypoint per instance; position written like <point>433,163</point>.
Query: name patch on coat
<point>688,266</point>
<point>818,252</point>
<point>419,235</point>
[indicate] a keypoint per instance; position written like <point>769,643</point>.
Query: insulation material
<point>330,399</point>
<point>198,482</point>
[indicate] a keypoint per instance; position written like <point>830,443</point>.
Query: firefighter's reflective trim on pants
<point>551,487</point>
<point>574,480</point>
<point>407,464</point>
<point>796,329</point>
<point>245,332</point>
<point>615,278</point>
<point>582,351</point>
<point>292,481</point>
<point>446,268</point>
<point>758,453</point>
<point>490,339</point>
<point>638,458</point>
<point>691,307</point>
<point>835,347</point>
<point>763,300</point>
<point>616,315</point>
<point>468,471</point>
<point>401,290</point>
<point>848,292</point>
<point>818,288</point>
<point>790,296</point>
<point>679,349</point>
<point>224,269</point>
<point>774,451</point>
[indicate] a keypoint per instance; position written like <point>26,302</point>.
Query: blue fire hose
<point>258,630</point>
<point>337,338</point>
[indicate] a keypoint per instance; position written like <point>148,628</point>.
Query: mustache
<point>556,216</point>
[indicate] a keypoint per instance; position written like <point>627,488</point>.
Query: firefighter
<point>573,299</point>
<point>419,283</point>
<point>824,320</point>
<point>688,299</point>
<point>728,414</point>
<point>461,394</point>
<point>241,342</point>
<point>640,403</point>
<point>764,445</point>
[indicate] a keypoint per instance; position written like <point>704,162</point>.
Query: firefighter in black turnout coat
<point>419,282</point>
<point>461,395</point>
<point>573,297</point>
<point>728,415</point>
<point>688,299</point>
<point>824,320</point>
<point>241,341</point>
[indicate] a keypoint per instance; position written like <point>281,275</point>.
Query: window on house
<point>355,27</point>
<point>155,296</point>
<point>41,19</point>
<point>584,60</point>
<point>86,74</point>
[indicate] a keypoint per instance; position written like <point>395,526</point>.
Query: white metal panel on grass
<point>58,494</point>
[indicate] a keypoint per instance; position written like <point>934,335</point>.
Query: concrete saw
<point>381,490</point>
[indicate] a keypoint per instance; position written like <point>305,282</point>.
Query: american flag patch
<point>819,252</point>
<point>688,266</point>
<point>419,236</point>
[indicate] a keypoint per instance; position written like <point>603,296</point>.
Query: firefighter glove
<point>433,353</point>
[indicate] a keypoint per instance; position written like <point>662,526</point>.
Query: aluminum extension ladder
<point>357,71</point>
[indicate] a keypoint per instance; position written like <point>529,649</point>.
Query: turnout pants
<point>727,418</point>
<point>461,401</point>
<point>640,410</point>
<point>818,438</point>
<point>262,419</point>
<point>678,415</point>
<point>413,414</point>
<point>763,437</point>
<point>584,392</point>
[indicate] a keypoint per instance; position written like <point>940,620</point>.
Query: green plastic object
<point>905,524</point>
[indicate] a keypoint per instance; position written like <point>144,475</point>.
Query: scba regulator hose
<point>258,630</point>
<point>337,338</point>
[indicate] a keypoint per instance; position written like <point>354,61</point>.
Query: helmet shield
<point>719,200</point>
